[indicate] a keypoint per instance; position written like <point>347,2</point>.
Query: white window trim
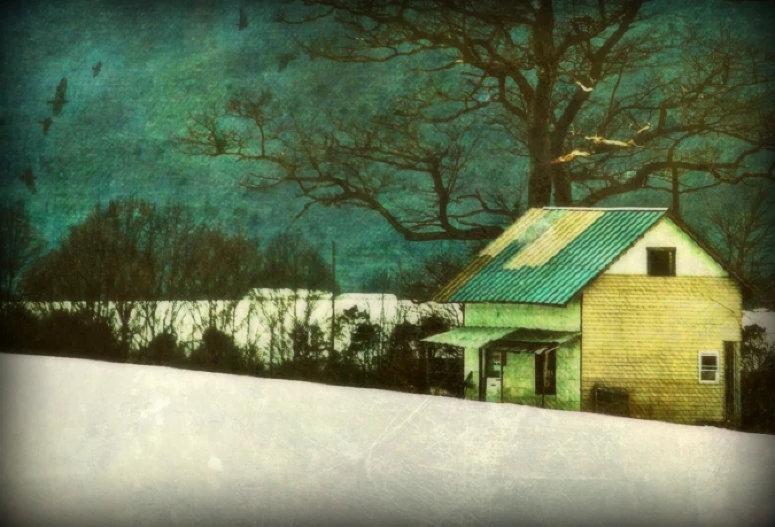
<point>702,354</point>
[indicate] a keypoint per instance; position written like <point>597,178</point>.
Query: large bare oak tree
<point>597,98</point>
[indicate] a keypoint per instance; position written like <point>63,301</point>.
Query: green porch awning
<point>510,339</point>
<point>469,337</point>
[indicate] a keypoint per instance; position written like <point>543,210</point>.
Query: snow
<point>762,318</point>
<point>93,443</point>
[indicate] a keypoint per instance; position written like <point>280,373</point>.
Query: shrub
<point>80,335</point>
<point>163,350</point>
<point>217,352</point>
<point>19,329</point>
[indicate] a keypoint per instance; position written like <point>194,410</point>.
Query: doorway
<point>730,384</point>
<point>491,378</point>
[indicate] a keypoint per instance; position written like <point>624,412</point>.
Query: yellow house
<point>615,310</point>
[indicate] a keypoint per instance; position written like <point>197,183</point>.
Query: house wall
<point>519,379</point>
<point>690,260</point>
<point>471,364</point>
<point>519,372</point>
<point>644,333</point>
<point>532,316</point>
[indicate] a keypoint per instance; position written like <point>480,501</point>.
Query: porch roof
<point>520,339</point>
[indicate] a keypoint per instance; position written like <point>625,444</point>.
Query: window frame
<point>700,370</point>
<point>661,250</point>
<point>551,367</point>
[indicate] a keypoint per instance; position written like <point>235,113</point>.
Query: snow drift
<point>93,443</point>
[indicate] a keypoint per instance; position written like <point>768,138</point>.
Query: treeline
<point>133,250</point>
<point>374,354</point>
<point>130,256</point>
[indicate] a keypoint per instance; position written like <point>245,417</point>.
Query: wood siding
<point>532,316</point>
<point>690,260</point>
<point>644,333</point>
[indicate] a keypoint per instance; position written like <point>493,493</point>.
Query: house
<point>613,310</point>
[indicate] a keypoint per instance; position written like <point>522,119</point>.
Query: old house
<point>614,310</point>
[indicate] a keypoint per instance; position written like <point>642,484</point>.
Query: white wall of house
<point>690,259</point>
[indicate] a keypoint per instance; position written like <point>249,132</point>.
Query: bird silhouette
<point>28,178</point>
<point>47,122</point>
<point>96,69</point>
<point>59,98</point>
<point>243,20</point>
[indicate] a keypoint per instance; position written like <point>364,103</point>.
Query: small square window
<point>709,367</point>
<point>661,261</point>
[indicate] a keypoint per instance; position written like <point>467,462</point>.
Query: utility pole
<point>333,294</point>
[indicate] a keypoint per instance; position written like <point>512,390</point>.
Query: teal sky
<point>161,62</point>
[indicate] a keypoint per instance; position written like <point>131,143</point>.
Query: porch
<point>519,365</point>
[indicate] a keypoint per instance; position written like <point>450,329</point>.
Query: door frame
<point>483,373</point>
<point>731,383</point>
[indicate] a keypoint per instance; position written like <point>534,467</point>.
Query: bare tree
<point>600,98</point>
<point>744,231</point>
<point>20,244</point>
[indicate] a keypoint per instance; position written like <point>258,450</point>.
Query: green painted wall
<point>519,378</point>
<point>532,316</point>
<point>471,364</point>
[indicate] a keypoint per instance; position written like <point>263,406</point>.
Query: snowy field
<point>90,443</point>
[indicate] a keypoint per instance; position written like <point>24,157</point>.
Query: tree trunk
<point>676,192</point>
<point>540,110</point>
<point>563,194</point>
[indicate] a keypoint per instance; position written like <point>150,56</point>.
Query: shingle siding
<point>644,333</point>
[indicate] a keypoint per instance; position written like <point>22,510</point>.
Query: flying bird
<point>585,88</point>
<point>96,69</point>
<point>28,178</point>
<point>643,128</point>
<point>243,20</point>
<point>602,143</point>
<point>569,157</point>
<point>47,122</point>
<point>59,98</point>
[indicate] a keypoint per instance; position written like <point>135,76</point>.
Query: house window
<point>709,367</point>
<point>661,261</point>
<point>546,362</point>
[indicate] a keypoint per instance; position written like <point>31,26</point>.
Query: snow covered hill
<point>93,443</point>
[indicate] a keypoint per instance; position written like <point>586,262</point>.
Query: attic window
<point>708,367</point>
<point>661,261</point>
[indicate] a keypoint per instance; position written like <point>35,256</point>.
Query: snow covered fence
<point>262,315</point>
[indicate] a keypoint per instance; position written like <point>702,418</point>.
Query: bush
<point>758,401</point>
<point>163,350</point>
<point>80,335</point>
<point>217,352</point>
<point>19,329</point>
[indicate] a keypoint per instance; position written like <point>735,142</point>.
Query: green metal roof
<point>549,254</point>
